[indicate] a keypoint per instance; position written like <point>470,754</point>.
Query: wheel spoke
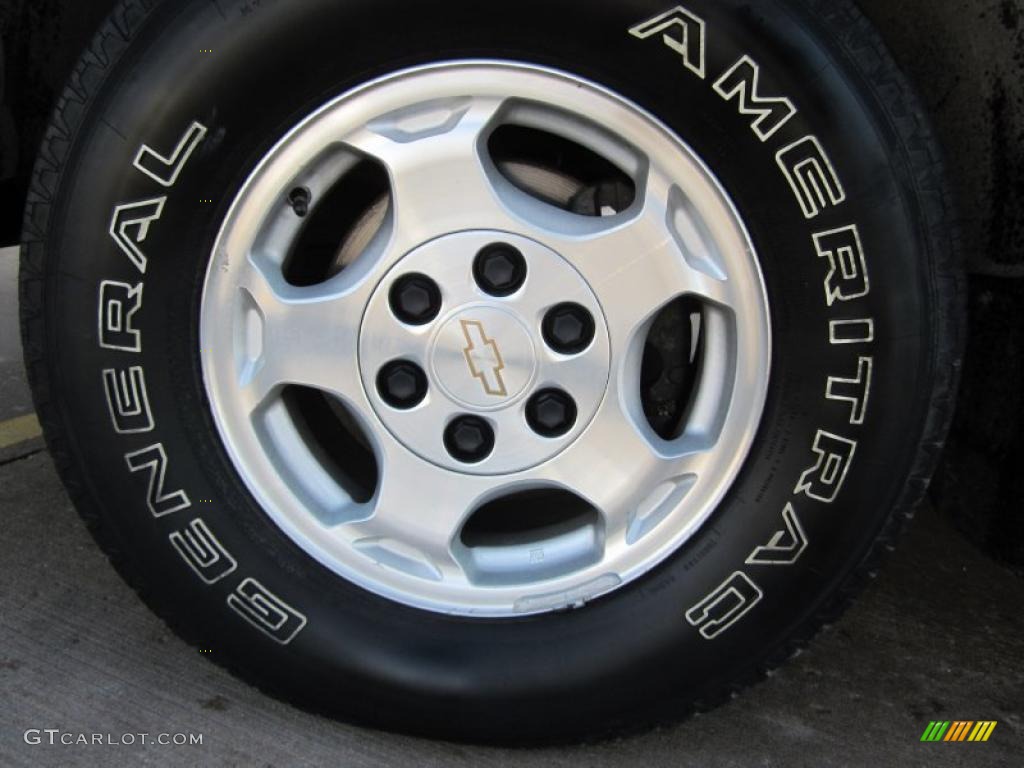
<point>413,530</point>
<point>306,336</point>
<point>622,483</point>
<point>641,255</point>
<point>439,180</point>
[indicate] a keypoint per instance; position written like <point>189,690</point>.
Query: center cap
<point>484,352</point>
<point>483,357</point>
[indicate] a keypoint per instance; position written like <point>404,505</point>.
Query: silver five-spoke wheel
<point>457,405</point>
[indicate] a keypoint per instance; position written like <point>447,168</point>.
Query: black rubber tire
<point>625,660</point>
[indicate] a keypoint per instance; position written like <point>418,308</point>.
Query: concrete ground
<point>19,431</point>
<point>939,636</point>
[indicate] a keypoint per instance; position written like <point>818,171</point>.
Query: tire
<point>857,398</point>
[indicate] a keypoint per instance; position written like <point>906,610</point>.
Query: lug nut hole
<point>551,413</point>
<point>415,299</point>
<point>469,439</point>
<point>499,269</point>
<point>568,328</point>
<point>402,384</point>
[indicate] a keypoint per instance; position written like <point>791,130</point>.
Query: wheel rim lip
<point>498,602</point>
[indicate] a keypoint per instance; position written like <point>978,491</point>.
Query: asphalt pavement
<point>938,636</point>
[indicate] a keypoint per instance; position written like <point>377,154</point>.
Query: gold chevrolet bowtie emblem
<point>484,358</point>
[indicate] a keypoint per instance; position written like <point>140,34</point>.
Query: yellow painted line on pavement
<point>18,430</point>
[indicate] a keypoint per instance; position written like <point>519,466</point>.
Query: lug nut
<point>415,299</point>
<point>568,329</point>
<point>469,439</point>
<point>402,384</point>
<point>500,269</point>
<point>551,413</point>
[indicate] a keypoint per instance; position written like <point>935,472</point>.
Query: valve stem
<point>299,199</point>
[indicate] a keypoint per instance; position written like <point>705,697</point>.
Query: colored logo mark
<point>484,358</point>
<point>958,730</point>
